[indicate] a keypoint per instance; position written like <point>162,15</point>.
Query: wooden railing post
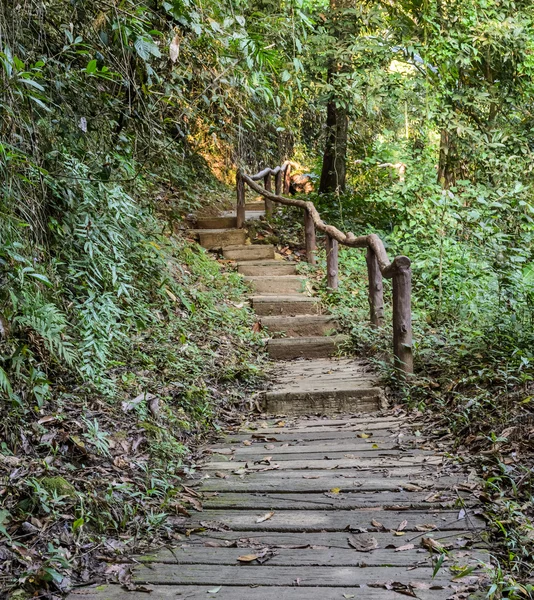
<point>278,183</point>
<point>309,233</point>
<point>332,250</point>
<point>376,289</point>
<point>240,209</point>
<point>287,178</point>
<point>402,317</point>
<point>268,202</point>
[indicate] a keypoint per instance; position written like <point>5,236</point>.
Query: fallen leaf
<point>363,543</point>
<point>221,475</point>
<point>432,544</point>
<point>402,525</point>
<point>247,443</point>
<point>364,436</point>
<point>426,527</point>
<point>47,419</point>
<point>461,514</point>
<point>215,590</point>
<point>399,533</point>
<point>377,524</point>
<point>247,557</point>
<point>335,490</point>
<point>265,517</point>
<point>349,596</point>
<point>405,547</point>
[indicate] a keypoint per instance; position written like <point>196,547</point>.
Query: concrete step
<point>255,206</point>
<point>263,268</point>
<point>327,399</point>
<point>277,285</point>
<point>217,222</point>
<point>212,239</point>
<point>301,326</point>
<point>241,252</point>
<point>305,347</point>
<point>285,305</point>
<point>323,385</point>
<point>250,215</point>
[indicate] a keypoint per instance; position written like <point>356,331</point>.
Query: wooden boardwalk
<point>319,509</point>
<point>312,508</point>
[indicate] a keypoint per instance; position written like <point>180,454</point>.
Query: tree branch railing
<point>378,264</point>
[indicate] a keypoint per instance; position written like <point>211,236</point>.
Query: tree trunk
<point>448,159</point>
<point>333,173</point>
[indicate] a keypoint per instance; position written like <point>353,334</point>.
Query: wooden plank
<point>346,420</point>
<point>346,446</point>
<point>322,557</point>
<point>330,501</point>
<point>323,481</point>
<point>328,455</point>
<point>337,539</point>
<point>195,592</point>
<point>317,520</point>
<point>371,425</point>
<point>324,463</point>
<point>337,435</point>
<point>246,575</point>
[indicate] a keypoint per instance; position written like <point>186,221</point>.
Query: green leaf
<point>43,278</point>
<point>92,67</point>
<point>146,48</point>
<point>32,83</point>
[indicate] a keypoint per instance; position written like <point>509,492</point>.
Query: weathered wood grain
<point>247,575</point>
<point>334,539</point>
<point>324,463</point>
<point>321,557</point>
<point>195,592</point>
<point>323,481</point>
<point>332,501</point>
<point>317,520</point>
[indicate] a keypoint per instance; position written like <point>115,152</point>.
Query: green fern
<point>49,323</point>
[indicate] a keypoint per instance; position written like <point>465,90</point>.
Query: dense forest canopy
<point>118,118</point>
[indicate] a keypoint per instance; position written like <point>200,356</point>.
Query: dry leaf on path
<point>432,544</point>
<point>377,524</point>
<point>247,558</point>
<point>265,517</point>
<point>402,525</point>
<point>405,547</point>
<point>363,544</point>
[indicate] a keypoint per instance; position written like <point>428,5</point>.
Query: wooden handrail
<point>378,263</point>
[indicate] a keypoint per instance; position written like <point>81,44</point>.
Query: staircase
<point>306,341</point>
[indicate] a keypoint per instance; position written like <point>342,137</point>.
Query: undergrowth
<point>121,346</point>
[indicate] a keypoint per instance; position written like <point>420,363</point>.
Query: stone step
<point>212,239</point>
<point>263,268</point>
<point>276,285</point>
<point>243,252</point>
<point>305,347</point>
<point>285,305</point>
<point>217,222</point>
<point>301,326</point>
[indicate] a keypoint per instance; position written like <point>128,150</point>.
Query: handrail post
<point>376,289</point>
<point>402,319</point>
<point>278,183</point>
<point>332,250</point>
<point>268,202</point>
<point>309,234</point>
<point>240,209</point>
<point>287,178</point>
